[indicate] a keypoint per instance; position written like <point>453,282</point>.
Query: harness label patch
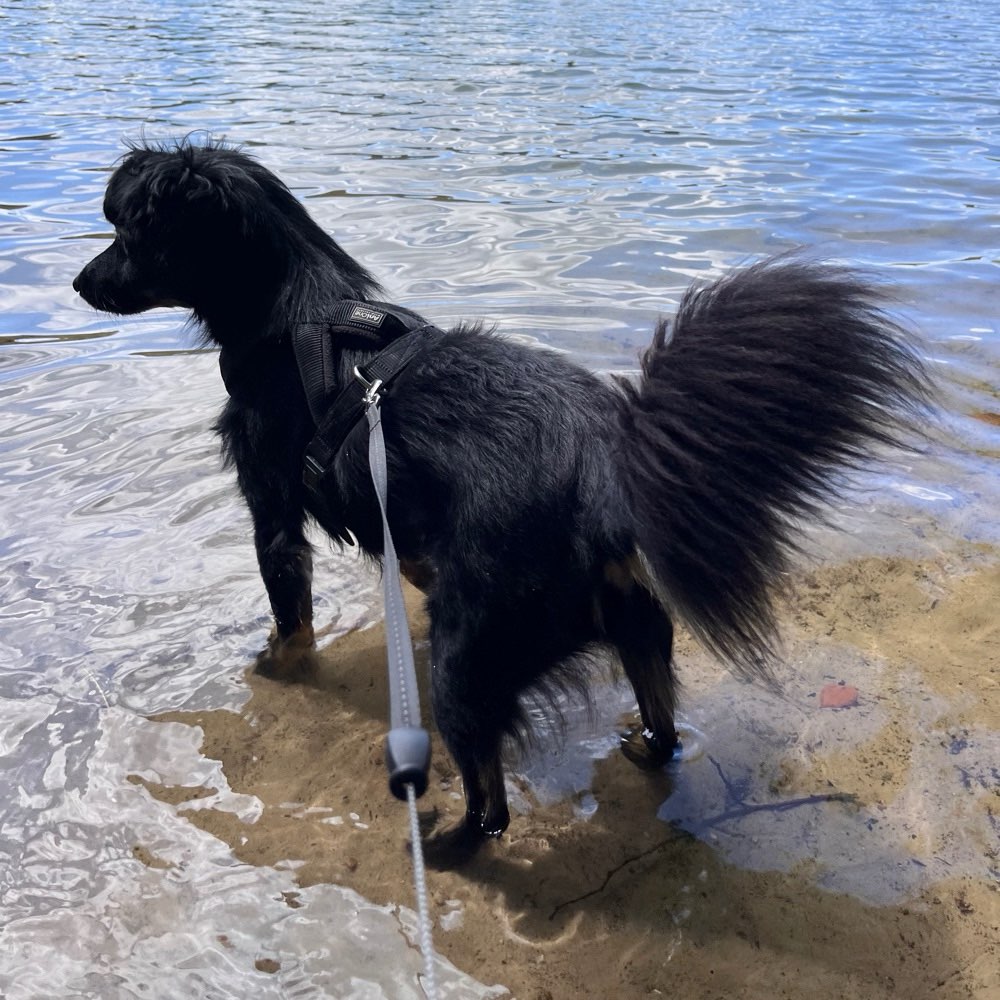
<point>362,314</point>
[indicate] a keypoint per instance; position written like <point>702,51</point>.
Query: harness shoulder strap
<point>349,406</point>
<point>368,324</point>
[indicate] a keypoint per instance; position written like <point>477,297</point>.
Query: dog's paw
<point>290,659</point>
<point>647,750</point>
<point>454,846</point>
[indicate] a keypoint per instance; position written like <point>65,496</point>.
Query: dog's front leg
<point>267,452</point>
<point>285,560</point>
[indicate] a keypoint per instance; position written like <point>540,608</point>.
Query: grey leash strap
<point>408,748</point>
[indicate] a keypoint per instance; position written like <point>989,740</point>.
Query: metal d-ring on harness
<point>408,747</point>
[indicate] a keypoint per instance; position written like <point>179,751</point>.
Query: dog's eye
<point>122,242</point>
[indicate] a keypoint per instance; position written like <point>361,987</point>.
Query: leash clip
<point>371,387</point>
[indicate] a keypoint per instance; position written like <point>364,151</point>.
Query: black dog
<point>545,511</point>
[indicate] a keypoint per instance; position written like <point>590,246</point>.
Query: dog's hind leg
<point>642,633</point>
<point>475,706</point>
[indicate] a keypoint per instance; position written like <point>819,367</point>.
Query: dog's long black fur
<point>545,511</point>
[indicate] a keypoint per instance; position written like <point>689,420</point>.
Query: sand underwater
<point>802,850</point>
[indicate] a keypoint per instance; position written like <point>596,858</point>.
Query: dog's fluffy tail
<point>770,382</point>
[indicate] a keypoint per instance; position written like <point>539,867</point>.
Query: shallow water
<point>564,171</point>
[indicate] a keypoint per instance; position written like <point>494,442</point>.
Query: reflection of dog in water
<point>546,512</point>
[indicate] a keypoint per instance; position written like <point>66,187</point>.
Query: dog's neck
<point>269,296</point>
<point>245,371</point>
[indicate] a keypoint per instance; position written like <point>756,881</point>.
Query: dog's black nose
<point>76,283</point>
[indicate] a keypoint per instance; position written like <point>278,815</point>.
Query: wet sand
<point>593,896</point>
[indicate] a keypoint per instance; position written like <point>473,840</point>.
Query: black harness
<point>316,345</point>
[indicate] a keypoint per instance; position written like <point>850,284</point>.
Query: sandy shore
<point>593,896</point>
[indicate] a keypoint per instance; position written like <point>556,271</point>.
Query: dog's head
<point>195,226</point>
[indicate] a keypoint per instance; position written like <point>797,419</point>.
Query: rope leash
<point>408,747</point>
<point>423,906</point>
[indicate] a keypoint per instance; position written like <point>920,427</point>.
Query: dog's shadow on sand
<point>550,863</point>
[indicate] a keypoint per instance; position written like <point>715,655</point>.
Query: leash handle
<point>408,747</point>
<point>408,758</point>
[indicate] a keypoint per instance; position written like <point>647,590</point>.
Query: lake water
<point>563,169</point>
